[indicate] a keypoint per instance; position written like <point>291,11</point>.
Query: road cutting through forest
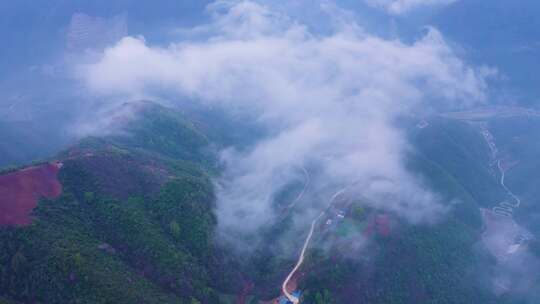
<point>505,208</point>
<point>292,298</point>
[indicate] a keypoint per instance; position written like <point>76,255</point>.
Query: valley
<point>502,235</point>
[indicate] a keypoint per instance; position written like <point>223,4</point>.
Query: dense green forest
<point>442,263</point>
<point>136,223</point>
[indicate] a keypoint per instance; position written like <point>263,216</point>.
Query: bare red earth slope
<point>21,190</point>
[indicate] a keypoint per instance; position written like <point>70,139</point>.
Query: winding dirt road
<point>301,195</point>
<point>287,294</point>
<point>506,208</point>
<point>242,297</point>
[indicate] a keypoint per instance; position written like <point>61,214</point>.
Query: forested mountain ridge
<point>135,223</point>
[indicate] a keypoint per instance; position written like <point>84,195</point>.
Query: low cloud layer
<point>516,267</point>
<point>400,7</point>
<point>331,100</point>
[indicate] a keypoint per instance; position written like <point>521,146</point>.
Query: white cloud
<point>399,7</point>
<point>333,100</point>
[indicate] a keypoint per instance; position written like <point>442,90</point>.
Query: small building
<point>284,300</point>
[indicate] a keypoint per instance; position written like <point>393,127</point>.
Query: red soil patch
<point>20,191</point>
<point>379,224</point>
<point>383,224</point>
<point>242,298</point>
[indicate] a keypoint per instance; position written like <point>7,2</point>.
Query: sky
<point>496,33</point>
<point>402,7</point>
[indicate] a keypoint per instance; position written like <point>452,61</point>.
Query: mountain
<point>135,222</point>
<point>455,260</point>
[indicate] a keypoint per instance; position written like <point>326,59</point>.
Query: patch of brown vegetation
<point>21,190</point>
<point>242,298</point>
<point>380,224</point>
<point>120,175</point>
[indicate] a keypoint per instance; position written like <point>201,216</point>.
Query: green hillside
<point>136,224</point>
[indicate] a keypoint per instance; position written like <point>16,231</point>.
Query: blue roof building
<point>284,300</point>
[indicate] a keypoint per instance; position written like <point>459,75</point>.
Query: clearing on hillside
<point>21,190</point>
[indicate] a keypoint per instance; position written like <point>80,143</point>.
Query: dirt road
<point>289,296</point>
